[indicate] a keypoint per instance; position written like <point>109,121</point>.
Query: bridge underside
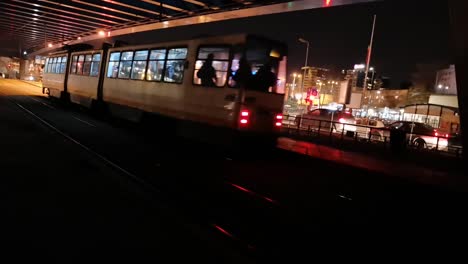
<point>34,25</point>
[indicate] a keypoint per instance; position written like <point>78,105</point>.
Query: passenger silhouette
<point>207,72</point>
<point>243,75</point>
<point>264,79</point>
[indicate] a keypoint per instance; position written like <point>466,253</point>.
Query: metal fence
<point>328,130</point>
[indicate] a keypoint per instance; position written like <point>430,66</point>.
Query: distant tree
<point>423,80</point>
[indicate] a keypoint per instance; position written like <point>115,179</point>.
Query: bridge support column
<point>459,40</point>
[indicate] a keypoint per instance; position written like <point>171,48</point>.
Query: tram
<point>161,79</point>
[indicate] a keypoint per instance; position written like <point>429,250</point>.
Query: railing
<point>319,129</point>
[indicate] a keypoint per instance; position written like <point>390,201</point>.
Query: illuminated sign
<point>359,66</point>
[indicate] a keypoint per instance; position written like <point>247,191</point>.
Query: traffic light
<point>314,92</point>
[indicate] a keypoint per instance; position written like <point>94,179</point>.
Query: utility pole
<point>305,64</point>
<point>459,39</point>
<point>369,54</point>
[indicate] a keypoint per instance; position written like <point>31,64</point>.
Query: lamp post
<point>306,57</point>
<point>372,69</point>
<point>293,85</point>
<point>331,90</point>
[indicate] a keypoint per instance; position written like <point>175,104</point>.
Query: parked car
<point>323,118</point>
<point>455,143</point>
<point>371,126</point>
<point>419,135</point>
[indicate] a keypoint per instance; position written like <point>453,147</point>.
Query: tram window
<point>79,65</point>
<point>156,65</point>
<point>179,54</point>
<point>52,66</point>
<point>125,66</point>
<point>174,70</point>
<point>139,65</point>
<point>63,65</point>
<point>220,63</point>
<point>115,56</point>
<point>57,65</point>
<point>46,65</point>
<point>49,67</point>
<point>74,62</point>
<point>87,64</point>
<point>49,64</point>
<point>95,65</point>
<point>56,68</point>
<point>234,68</point>
<point>113,68</point>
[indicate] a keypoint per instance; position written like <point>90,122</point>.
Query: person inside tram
<point>243,75</point>
<point>207,72</point>
<point>264,79</point>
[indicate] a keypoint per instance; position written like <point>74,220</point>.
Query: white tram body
<point>162,79</point>
<point>83,78</point>
<point>54,74</point>
<point>146,87</point>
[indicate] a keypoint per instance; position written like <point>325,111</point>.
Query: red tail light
<point>341,120</point>
<point>244,117</point>
<point>278,120</point>
<point>441,135</point>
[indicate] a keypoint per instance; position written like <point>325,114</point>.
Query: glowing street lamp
<point>293,84</point>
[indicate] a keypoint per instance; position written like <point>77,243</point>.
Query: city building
<point>32,68</point>
<point>357,77</point>
<point>314,74</point>
<point>446,81</point>
<point>9,67</point>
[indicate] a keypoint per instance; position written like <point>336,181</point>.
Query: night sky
<point>407,33</point>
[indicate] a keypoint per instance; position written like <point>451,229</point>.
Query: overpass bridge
<point>40,26</point>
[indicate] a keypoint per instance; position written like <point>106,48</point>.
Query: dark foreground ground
<point>77,188</point>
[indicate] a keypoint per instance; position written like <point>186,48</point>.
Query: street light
<point>307,50</point>
<point>293,84</point>
<point>306,57</point>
